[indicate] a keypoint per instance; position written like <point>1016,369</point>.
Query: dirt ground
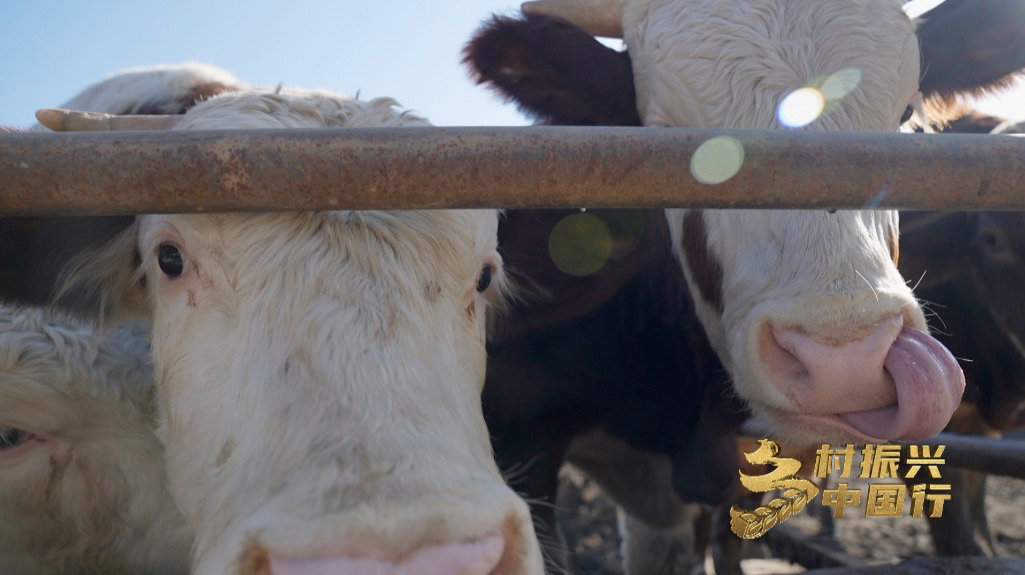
<point>588,523</point>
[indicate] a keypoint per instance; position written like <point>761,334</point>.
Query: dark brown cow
<point>637,410</point>
<point>971,266</point>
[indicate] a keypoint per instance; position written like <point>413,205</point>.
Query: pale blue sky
<point>51,49</point>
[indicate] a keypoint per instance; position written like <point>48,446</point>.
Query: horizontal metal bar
<point>535,167</point>
<point>1004,457</point>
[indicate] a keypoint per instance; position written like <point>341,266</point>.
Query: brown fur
<point>554,71</point>
<point>958,61</point>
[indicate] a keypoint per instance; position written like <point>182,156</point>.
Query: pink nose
<point>827,373</point>
<point>480,557</point>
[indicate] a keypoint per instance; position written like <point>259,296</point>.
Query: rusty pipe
<point>1004,457</point>
<point>528,167</point>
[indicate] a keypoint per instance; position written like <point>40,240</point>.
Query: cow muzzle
<point>885,382</point>
<point>433,536</point>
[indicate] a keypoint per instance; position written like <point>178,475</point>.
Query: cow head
<point>807,309</point>
<point>319,373</point>
<point>82,484</point>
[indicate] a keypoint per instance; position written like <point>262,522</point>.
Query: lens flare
<point>717,160</point>
<point>821,96</point>
<point>837,86</point>
<point>580,244</point>
<point>801,107</point>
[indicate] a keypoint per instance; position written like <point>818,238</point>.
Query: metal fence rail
<point>535,167</point>
<point>993,456</point>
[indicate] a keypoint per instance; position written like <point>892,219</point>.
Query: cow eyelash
<point>12,437</point>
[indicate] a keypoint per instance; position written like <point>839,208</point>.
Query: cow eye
<point>170,260</point>
<point>12,437</point>
<point>908,112</point>
<point>485,278</point>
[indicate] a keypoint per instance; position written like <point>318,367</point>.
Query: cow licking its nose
<point>892,381</point>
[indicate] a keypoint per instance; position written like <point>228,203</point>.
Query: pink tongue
<point>474,558</point>
<point>929,387</point>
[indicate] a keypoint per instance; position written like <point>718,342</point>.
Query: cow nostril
<point>779,358</point>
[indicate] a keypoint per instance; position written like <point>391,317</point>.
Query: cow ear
<point>105,283</point>
<point>970,47</point>
<point>86,266</point>
<point>554,71</point>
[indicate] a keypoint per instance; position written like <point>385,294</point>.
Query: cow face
<point>791,337</point>
<point>320,375</point>
<point>817,354</point>
<point>82,484</point>
<point>806,308</point>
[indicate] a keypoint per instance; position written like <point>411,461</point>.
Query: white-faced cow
<point>820,333</point>
<point>319,374</point>
<point>82,483</point>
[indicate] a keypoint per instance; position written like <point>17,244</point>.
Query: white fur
<point>320,373</point>
<point>729,64</point>
<point>92,499</point>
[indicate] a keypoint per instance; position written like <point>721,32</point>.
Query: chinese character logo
<point>877,462</point>
<point>796,492</point>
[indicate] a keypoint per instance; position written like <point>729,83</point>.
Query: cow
<point>559,74</point>
<point>793,301</point>
<point>822,336</point>
<point>34,250</point>
<point>319,373</point>
<point>82,482</point>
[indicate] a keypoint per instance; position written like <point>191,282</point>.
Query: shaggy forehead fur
<point>728,63</point>
<point>284,108</point>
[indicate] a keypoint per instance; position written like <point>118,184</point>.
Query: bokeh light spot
<point>580,244</point>
<point>801,107</point>
<point>717,160</point>
<point>837,86</point>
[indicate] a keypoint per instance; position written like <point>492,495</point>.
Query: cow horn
<point>596,17</point>
<point>60,120</point>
